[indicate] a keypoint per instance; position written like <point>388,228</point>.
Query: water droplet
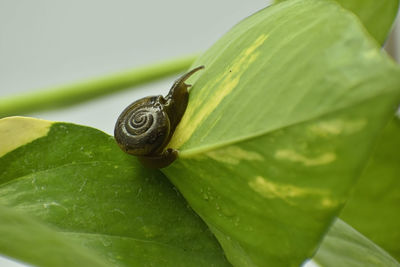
<point>227,211</point>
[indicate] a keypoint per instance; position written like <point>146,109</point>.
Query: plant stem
<point>78,92</point>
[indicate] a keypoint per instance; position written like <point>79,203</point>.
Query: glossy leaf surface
<point>29,241</point>
<point>376,16</point>
<point>267,142</point>
<point>344,246</point>
<point>76,180</point>
<point>374,208</point>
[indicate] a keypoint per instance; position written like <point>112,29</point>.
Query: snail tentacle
<point>145,127</point>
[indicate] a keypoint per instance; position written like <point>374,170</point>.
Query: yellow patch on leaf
<point>201,107</point>
<point>337,127</point>
<point>233,155</point>
<point>18,131</point>
<point>291,155</point>
<point>287,192</point>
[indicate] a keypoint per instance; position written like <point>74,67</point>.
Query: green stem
<point>86,90</point>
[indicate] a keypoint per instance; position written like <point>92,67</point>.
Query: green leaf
<point>27,240</point>
<point>374,206</point>
<point>267,144</point>
<point>344,246</point>
<point>377,16</point>
<point>76,180</point>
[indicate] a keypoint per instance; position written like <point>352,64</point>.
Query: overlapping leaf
<point>267,143</point>
<point>76,180</point>
<point>267,159</point>
<point>377,195</point>
<point>374,206</point>
<point>377,16</point>
<point>344,246</point>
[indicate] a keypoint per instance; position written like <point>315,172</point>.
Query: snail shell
<point>145,127</point>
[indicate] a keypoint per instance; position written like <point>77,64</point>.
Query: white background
<point>44,43</point>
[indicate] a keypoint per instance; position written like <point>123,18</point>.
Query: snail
<point>146,126</point>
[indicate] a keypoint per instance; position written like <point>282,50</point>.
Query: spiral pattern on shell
<point>141,120</point>
<point>143,127</point>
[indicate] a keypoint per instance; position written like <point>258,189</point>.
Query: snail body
<point>146,126</point>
